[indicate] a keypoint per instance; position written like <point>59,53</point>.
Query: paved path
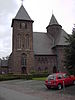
<point>31,90</point>
<point>9,94</point>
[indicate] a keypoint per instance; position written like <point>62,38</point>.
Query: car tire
<point>74,82</point>
<point>48,87</point>
<point>59,86</point>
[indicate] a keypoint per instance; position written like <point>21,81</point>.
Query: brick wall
<point>15,64</point>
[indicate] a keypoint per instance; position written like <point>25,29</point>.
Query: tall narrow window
<point>23,63</point>
<point>27,41</point>
<point>26,26</point>
<point>19,41</point>
<point>23,60</point>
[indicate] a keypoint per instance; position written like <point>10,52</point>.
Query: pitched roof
<point>22,14</point>
<point>53,20</point>
<point>61,38</point>
<point>42,43</point>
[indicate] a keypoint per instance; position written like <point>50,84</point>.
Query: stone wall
<point>44,63</point>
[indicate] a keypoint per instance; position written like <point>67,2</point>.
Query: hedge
<point>39,75</point>
<point>21,76</point>
<point>13,77</point>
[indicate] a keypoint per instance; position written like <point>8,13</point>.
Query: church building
<point>36,51</point>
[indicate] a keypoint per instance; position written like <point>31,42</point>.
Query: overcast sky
<point>40,11</point>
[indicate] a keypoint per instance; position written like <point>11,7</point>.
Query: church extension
<point>36,51</point>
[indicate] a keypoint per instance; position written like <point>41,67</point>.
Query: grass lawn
<point>40,78</point>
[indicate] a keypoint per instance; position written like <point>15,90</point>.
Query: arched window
<point>39,68</point>
<point>18,41</point>
<point>27,41</point>
<point>23,60</point>
<point>23,63</point>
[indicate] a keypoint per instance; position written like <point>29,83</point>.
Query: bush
<point>13,77</point>
<point>37,74</point>
<point>40,75</point>
<point>22,76</point>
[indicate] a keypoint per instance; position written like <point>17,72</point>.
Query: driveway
<point>33,90</point>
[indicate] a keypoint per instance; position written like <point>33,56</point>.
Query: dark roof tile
<point>22,14</point>
<point>42,43</point>
<point>53,20</point>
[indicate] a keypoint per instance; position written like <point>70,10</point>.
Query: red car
<point>58,80</point>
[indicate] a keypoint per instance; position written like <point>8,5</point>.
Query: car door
<point>60,79</point>
<point>67,79</point>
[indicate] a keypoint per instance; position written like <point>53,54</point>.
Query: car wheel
<point>48,87</point>
<point>59,86</point>
<point>74,82</point>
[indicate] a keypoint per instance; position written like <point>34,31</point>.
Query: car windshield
<point>51,77</point>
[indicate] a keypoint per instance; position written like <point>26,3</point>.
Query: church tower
<point>22,43</point>
<point>54,29</point>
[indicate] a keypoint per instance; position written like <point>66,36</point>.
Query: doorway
<point>24,63</point>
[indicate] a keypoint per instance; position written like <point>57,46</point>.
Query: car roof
<point>58,73</point>
<point>61,73</point>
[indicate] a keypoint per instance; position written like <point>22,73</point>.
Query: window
<point>25,25</point>
<point>23,60</point>
<point>51,77</point>
<point>59,76</point>
<point>24,63</point>
<point>27,41</point>
<point>65,75</point>
<point>39,69</point>
<point>39,59</point>
<point>19,41</point>
<point>45,60</point>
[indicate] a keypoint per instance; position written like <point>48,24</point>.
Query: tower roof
<point>22,14</point>
<point>53,20</point>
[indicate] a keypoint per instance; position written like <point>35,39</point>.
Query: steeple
<point>53,20</point>
<point>22,15</point>
<point>54,27</point>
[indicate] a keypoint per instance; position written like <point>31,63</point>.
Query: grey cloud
<point>5,46</point>
<point>7,10</point>
<point>7,5</point>
<point>7,42</point>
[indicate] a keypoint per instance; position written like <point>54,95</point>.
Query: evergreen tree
<point>70,53</point>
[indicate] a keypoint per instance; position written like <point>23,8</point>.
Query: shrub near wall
<point>36,74</point>
<point>13,77</point>
<point>7,77</point>
<point>39,75</point>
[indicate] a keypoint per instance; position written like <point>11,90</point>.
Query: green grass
<point>40,78</point>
